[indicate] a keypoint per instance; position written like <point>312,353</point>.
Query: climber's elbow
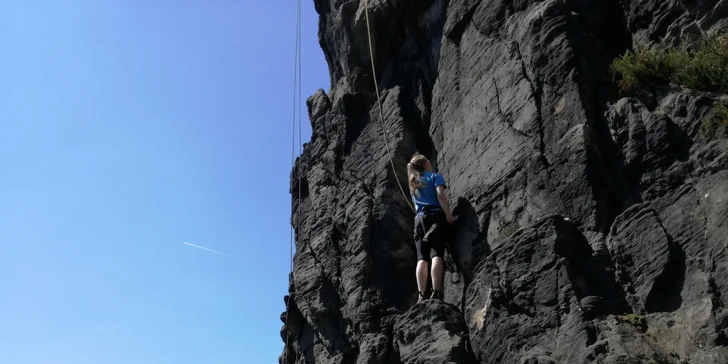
<point>441,195</point>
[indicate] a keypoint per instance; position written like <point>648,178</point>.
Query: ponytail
<point>414,171</point>
<point>414,177</point>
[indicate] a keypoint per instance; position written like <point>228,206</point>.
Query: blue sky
<point>128,127</point>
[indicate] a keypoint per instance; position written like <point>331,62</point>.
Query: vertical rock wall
<point>595,227</point>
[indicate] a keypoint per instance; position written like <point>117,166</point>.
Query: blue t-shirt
<point>426,195</point>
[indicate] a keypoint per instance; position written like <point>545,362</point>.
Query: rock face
<point>526,302</point>
<point>591,228</point>
<point>433,332</point>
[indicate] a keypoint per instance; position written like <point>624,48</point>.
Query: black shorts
<point>430,228</point>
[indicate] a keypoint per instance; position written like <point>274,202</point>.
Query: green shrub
<point>637,321</point>
<point>509,229</point>
<point>716,122</point>
<point>703,68</point>
<point>708,68</point>
<point>647,66</point>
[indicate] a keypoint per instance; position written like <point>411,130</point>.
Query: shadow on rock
<point>528,296</point>
<point>590,272</point>
<point>648,260</point>
<point>432,332</point>
<point>467,246</point>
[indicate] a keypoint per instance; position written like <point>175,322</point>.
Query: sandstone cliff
<point>595,226</point>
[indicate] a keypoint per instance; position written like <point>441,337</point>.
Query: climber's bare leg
<point>422,268</point>
<point>437,271</point>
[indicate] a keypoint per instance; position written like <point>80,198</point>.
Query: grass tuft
<point>703,68</point>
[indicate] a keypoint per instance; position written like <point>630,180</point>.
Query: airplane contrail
<point>209,250</point>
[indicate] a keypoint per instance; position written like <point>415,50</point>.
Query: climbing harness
<point>379,101</point>
<point>296,82</point>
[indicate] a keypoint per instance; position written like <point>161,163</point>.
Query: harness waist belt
<point>428,208</point>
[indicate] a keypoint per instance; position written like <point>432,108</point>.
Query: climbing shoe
<point>437,295</point>
<point>421,298</point>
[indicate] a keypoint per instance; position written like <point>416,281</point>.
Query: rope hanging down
<point>381,117</point>
<point>296,92</point>
<point>379,101</point>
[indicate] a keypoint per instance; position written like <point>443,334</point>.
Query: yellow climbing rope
<point>379,101</point>
<point>297,87</point>
<point>381,117</point>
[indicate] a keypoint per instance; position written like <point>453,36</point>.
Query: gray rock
<point>594,227</point>
<point>432,332</point>
<point>672,20</point>
<point>525,304</point>
<point>648,263</point>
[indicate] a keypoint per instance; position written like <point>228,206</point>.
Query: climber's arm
<point>444,203</point>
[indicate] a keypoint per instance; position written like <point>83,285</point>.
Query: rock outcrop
<point>592,228</point>
<point>432,332</point>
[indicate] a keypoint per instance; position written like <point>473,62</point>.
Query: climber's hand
<point>451,220</point>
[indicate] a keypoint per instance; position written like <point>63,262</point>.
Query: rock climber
<point>427,189</point>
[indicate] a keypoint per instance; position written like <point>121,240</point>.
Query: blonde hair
<point>415,168</point>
